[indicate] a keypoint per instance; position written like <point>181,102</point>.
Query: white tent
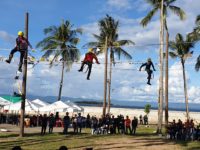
<point>4,102</point>
<point>29,106</point>
<point>80,109</point>
<point>40,102</point>
<point>58,106</point>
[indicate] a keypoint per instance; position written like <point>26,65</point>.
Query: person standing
<point>66,122</point>
<point>134,125</point>
<point>127,125</point>
<point>51,123</point>
<point>79,122</point>
<point>141,119</point>
<point>44,124</point>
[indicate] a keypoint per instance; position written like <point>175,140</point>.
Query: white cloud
<point>7,37</point>
<point>119,4</point>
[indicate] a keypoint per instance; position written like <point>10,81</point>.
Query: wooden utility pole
<point>105,77</point>
<point>166,79</point>
<point>160,117</point>
<point>24,82</point>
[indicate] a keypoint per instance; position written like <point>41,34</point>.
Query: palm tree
<point>167,4</point>
<point>181,48</point>
<point>196,36</point>
<point>60,42</point>
<point>109,30</point>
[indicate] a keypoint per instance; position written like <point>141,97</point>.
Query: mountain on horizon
<point>118,103</point>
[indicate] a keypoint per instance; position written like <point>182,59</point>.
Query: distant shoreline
<point>135,107</point>
<point>131,112</point>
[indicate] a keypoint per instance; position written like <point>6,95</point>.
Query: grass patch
<point>145,137</point>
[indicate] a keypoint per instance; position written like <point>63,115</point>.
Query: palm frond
<point>91,44</point>
<point>149,16</point>
<point>178,11</point>
<point>153,2</point>
<point>123,43</point>
<point>119,51</point>
<point>50,30</point>
<point>197,65</point>
<point>173,54</point>
<point>197,21</point>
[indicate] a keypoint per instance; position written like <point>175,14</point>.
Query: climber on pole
<point>21,46</point>
<point>148,65</point>
<point>88,60</point>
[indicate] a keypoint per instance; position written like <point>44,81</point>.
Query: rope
<point>84,47</point>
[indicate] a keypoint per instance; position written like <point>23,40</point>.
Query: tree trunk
<point>109,83</point>
<point>185,89</point>
<point>160,117</point>
<point>166,79</point>
<point>105,77</point>
<point>61,81</point>
<point>21,134</point>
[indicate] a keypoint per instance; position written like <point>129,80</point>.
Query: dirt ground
<point>122,143</point>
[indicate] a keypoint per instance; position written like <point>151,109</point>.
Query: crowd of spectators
<point>183,130</point>
<point>108,124</point>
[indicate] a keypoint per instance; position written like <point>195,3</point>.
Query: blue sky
<point>128,83</point>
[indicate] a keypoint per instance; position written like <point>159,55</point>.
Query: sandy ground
<point>153,115</point>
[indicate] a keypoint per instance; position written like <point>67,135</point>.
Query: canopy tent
<point>80,109</point>
<point>12,99</point>
<point>58,106</point>
<point>40,102</point>
<point>4,102</point>
<point>29,106</point>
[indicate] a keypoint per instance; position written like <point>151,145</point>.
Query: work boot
<point>20,69</point>
<point>9,59</point>
<point>80,70</point>
<point>148,83</point>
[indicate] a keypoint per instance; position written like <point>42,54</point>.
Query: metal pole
<point>24,82</point>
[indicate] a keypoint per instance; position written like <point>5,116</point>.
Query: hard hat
<point>149,59</point>
<point>20,33</point>
<point>90,50</point>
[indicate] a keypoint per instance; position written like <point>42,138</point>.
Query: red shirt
<point>89,57</point>
<point>127,122</point>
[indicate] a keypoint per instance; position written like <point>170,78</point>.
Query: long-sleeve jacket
<point>147,65</point>
<point>89,57</point>
<point>22,43</point>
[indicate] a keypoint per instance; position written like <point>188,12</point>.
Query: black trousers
<point>51,129</point>
<point>149,72</point>
<point>89,68</point>
<point>43,130</point>
<point>22,53</point>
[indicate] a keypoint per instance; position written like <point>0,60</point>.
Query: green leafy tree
<point>60,42</point>
<point>147,108</point>
<point>108,27</point>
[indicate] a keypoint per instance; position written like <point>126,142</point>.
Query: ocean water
<point>194,107</point>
